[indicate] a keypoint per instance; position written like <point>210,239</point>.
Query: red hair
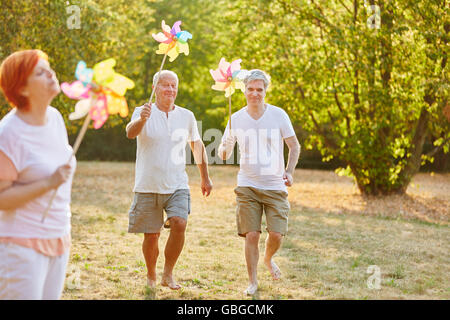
<point>14,73</point>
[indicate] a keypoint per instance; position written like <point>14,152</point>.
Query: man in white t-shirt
<point>260,130</point>
<point>161,182</point>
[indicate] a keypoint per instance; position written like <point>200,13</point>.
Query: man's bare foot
<point>274,270</point>
<point>251,290</point>
<point>167,281</point>
<point>151,282</point>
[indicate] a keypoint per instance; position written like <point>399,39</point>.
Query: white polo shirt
<point>261,147</point>
<point>161,150</point>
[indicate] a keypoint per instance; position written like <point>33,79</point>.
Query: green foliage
<point>122,30</point>
<point>369,97</point>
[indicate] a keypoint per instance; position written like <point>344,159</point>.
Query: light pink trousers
<point>25,274</point>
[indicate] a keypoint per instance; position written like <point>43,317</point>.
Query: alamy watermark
<point>374,281</point>
<point>74,20</point>
<point>374,20</point>
<point>262,149</point>
<point>73,277</point>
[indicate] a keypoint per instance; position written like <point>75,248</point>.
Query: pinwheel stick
<point>75,149</point>
<point>229,109</point>
<point>157,79</point>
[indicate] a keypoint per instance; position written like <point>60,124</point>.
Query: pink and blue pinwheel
<point>173,41</point>
<point>100,90</point>
<point>228,77</point>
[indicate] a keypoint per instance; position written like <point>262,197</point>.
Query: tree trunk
<point>414,161</point>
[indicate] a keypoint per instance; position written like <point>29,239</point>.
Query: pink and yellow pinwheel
<point>100,90</point>
<point>173,41</point>
<point>228,77</point>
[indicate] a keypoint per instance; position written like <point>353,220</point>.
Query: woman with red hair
<point>34,152</point>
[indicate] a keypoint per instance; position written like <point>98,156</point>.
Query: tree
<point>367,96</point>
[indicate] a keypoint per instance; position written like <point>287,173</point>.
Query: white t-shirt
<point>161,150</point>
<point>36,152</point>
<point>261,147</point>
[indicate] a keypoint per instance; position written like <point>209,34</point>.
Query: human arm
<point>294,153</point>
<point>201,159</point>
<point>13,196</point>
<point>134,127</point>
<point>227,145</point>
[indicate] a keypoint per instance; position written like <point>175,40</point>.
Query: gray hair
<point>164,72</point>
<point>257,74</point>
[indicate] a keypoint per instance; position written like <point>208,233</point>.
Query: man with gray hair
<point>161,183</point>
<point>260,129</point>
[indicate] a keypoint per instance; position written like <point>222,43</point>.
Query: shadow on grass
<point>430,211</point>
<point>329,253</point>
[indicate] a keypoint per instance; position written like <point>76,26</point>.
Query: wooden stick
<point>81,134</point>
<point>229,109</point>
<point>75,149</point>
<point>157,80</point>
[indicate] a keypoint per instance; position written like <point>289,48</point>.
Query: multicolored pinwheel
<point>229,77</point>
<point>100,91</point>
<point>172,41</point>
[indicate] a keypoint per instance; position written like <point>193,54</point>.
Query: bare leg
<point>252,257</point>
<point>273,243</point>
<point>174,245</point>
<point>151,252</point>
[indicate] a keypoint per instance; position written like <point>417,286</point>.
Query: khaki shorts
<point>146,214</point>
<point>252,202</point>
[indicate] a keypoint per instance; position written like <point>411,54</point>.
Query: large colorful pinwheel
<point>101,92</point>
<point>172,41</point>
<point>229,77</point>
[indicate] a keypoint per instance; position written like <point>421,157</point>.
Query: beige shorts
<point>146,214</point>
<point>252,202</point>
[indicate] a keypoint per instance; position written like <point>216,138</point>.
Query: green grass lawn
<point>325,255</point>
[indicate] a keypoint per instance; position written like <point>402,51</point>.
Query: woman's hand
<point>61,175</point>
